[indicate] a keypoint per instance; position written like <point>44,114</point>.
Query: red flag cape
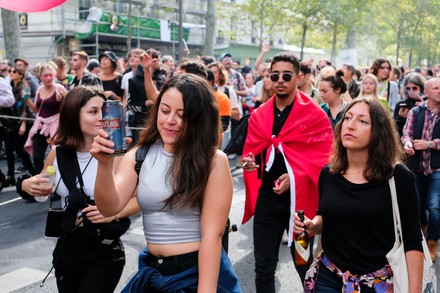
<point>306,138</point>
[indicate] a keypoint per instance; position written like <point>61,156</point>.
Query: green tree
<point>305,13</point>
<point>11,34</point>
<point>208,48</point>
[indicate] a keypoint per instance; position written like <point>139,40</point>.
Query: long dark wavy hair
<point>384,150</point>
<point>17,88</point>
<point>69,133</point>
<point>197,142</point>
<point>377,64</point>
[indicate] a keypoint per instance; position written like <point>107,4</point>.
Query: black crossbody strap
<point>141,153</point>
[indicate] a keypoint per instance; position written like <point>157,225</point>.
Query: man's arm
<point>6,96</point>
<point>147,62</point>
<point>264,49</point>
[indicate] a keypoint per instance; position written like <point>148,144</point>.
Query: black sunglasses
<point>276,77</point>
<point>414,88</point>
<point>12,71</point>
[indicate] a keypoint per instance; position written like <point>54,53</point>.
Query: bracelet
<point>18,186</point>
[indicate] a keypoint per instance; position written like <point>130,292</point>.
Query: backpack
<point>227,92</point>
<point>141,153</point>
<point>236,144</point>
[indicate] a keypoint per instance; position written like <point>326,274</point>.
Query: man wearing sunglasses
<point>288,142</point>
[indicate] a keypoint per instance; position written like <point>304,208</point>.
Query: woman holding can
<point>82,261</point>
<point>184,191</point>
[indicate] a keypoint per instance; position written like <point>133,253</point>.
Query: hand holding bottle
<point>302,240</point>
<point>49,173</point>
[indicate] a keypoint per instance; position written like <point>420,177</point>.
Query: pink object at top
<point>30,6</point>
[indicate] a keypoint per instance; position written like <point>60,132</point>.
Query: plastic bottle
<point>50,174</point>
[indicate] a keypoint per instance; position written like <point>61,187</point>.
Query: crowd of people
<point>321,139</point>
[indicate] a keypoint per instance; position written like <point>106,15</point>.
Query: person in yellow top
<point>370,88</point>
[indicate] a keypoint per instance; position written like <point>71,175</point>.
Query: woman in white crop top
<point>185,120</point>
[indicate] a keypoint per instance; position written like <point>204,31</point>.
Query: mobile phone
<point>403,105</point>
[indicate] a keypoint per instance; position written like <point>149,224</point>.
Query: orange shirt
<point>224,104</point>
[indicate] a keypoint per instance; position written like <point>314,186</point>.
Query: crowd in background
<point>31,116</point>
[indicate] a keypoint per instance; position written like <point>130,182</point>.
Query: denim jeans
<point>148,279</point>
<point>271,219</point>
<point>428,188</point>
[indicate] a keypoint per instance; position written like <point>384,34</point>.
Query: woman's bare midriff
<point>172,249</point>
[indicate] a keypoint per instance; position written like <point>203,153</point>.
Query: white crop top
<point>163,225</point>
<point>88,166</point>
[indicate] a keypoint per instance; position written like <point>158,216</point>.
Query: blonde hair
<point>265,94</point>
<point>376,86</point>
<point>52,66</point>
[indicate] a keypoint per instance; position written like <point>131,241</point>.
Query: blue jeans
<point>271,219</point>
<point>428,188</point>
<point>148,279</point>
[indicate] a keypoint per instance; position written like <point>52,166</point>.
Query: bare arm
<point>235,113</point>
<point>313,227</point>
<point>147,63</point>
<point>112,191</point>
<point>264,49</point>
<point>216,205</point>
<point>414,263</point>
<point>242,93</point>
<point>33,186</point>
<point>33,105</point>
<point>95,216</point>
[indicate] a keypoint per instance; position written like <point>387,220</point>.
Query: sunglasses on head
<point>414,88</point>
<point>276,76</point>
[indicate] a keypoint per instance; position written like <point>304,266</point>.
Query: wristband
<point>24,195</point>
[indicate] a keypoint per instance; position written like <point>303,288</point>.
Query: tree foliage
<point>405,31</point>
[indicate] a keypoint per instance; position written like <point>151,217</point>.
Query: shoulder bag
<point>396,256</point>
